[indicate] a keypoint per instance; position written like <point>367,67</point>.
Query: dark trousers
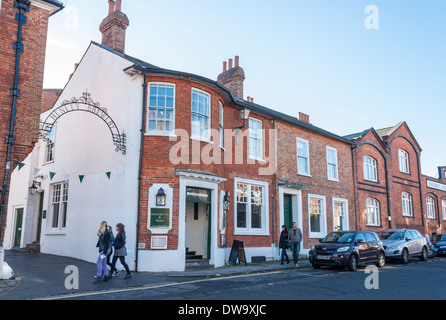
<point>122,260</point>
<point>284,255</point>
<point>295,247</point>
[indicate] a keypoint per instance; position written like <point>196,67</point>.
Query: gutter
<point>22,6</point>
<point>144,99</point>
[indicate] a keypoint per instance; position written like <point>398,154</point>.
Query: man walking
<point>295,237</point>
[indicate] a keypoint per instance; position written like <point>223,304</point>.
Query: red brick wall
<point>438,224</point>
<point>30,79</point>
<point>318,182</point>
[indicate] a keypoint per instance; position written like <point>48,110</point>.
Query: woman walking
<point>112,241</point>
<point>104,246</point>
<point>120,251</point>
<point>283,244</point>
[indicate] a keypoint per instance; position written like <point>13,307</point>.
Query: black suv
<point>348,249</point>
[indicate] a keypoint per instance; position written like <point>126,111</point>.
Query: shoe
<point>281,263</point>
<point>128,276</point>
<point>115,273</point>
<point>106,278</point>
<point>288,262</point>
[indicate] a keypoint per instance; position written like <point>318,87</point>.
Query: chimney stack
<point>304,117</point>
<point>233,77</point>
<point>113,27</point>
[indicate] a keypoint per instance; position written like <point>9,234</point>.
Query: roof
<point>55,3</point>
<point>145,67</point>
<point>385,132</point>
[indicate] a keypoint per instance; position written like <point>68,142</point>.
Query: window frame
<point>248,229</point>
<point>259,141</point>
<point>201,137</point>
<point>407,203</point>
<point>221,123</point>
<point>345,217</point>
<point>403,161</point>
<point>372,203</point>
<point>430,208</point>
<point>370,168</point>
<point>157,132</point>
<point>50,146</point>
<point>323,216</point>
<point>336,165</point>
<point>308,172</point>
<point>59,197</point>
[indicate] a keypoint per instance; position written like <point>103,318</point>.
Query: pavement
<point>40,276</point>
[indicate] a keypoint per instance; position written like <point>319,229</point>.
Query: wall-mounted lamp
<point>226,203</point>
<point>33,189</point>
<point>244,115</point>
<point>161,198</point>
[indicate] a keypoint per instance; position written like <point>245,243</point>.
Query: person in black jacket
<point>104,245</point>
<point>120,251</point>
<point>283,244</point>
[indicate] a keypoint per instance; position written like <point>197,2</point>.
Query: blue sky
<point>313,56</point>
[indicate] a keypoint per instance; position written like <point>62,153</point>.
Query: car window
<point>411,234</point>
<point>369,237</point>
<point>391,235</point>
<point>416,233</point>
<point>443,237</point>
<point>339,237</point>
<point>360,236</point>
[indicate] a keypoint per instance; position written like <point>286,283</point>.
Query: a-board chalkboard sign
<point>237,252</point>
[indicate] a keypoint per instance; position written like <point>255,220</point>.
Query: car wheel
<point>405,256</point>
<point>423,256</point>
<point>352,263</point>
<point>381,260</point>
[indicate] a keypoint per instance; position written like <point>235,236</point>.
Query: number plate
<point>323,257</point>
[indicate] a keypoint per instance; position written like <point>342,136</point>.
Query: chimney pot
<point>111,6</point>
<point>248,99</point>
<point>230,63</point>
<point>237,61</point>
<point>225,66</point>
<point>118,5</point>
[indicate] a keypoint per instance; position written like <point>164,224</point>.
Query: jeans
<point>102,265</point>
<point>295,248</point>
<point>284,254</point>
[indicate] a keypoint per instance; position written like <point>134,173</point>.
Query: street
<point>417,281</point>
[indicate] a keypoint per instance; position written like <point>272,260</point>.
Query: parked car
<point>439,242</point>
<point>348,249</point>
<point>404,243</point>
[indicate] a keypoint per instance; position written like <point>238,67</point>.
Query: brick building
<point>391,191</point>
<point>23,30</point>
<point>434,202</point>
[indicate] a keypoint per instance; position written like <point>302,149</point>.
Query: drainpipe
<point>22,6</point>
<point>144,99</point>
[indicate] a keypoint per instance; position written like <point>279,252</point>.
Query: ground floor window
<point>59,204</point>
<point>251,207</point>
<point>430,205</point>
<point>317,216</point>
<point>340,214</point>
<point>372,212</point>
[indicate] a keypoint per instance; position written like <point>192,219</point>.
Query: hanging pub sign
<point>198,195</point>
<point>159,217</point>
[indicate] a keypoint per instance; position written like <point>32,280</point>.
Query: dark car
<point>348,249</point>
<point>439,242</point>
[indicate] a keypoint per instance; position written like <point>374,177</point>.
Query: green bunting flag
<point>108,175</point>
<point>21,165</point>
<point>52,174</point>
<point>81,177</point>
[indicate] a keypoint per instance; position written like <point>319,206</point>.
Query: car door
<point>372,247</point>
<point>361,246</point>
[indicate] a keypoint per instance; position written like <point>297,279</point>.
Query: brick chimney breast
<point>233,78</point>
<point>114,26</point>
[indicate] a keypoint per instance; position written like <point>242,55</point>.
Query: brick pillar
<point>113,27</point>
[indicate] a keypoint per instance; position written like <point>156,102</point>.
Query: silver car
<point>404,243</point>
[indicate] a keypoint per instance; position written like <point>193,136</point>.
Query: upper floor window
<point>49,156</point>
<point>201,115</point>
<point>430,207</point>
<point>443,205</point>
<point>59,205</point>
<point>161,117</point>
<point>255,139</point>
<point>403,159</point>
<point>221,124</point>
<point>406,200</point>
<point>303,157</point>
<point>332,163</point>
<point>370,171</point>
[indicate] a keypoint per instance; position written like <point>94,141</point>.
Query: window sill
<point>334,180</point>
<point>207,140</point>
<point>56,233</point>
<point>160,134</point>
<point>243,232</point>
<point>257,159</point>
<point>304,174</point>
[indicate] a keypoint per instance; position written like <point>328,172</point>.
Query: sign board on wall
<point>159,217</point>
<point>436,185</point>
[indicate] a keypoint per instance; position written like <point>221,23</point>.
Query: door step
<point>191,255</point>
<point>198,264</point>
<point>31,248</point>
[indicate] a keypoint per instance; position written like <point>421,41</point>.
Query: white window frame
<point>221,123</point>
<point>258,138</point>
<point>403,161</point>
<point>59,197</point>
<point>206,134</point>
<point>264,230</point>
<point>345,220</point>
<point>430,208</point>
<point>443,206</point>
<point>407,204</point>
<point>50,145</point>
<point>299,156</point>
<point>331,164</point>
<point>370,169</point>
<point>157,132</point>
<point>323,217</point>
<point>372,207</point>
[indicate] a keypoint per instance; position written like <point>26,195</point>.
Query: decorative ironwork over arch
<point>86,104</point>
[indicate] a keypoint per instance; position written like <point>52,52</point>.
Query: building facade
<point>23,34</point>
